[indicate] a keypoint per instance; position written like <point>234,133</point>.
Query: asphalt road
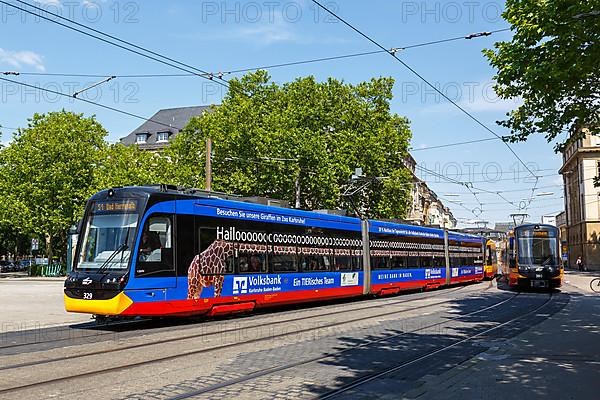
<point>478,341</point>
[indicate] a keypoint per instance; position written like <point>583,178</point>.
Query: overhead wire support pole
<point>208,167</point>
<point>393,54</point>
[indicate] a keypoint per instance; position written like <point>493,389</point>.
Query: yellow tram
<point>533,257</point>
<point>490,268</point>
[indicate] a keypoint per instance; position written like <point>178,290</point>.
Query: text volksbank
<point>265,280</point>
<point>260,284</point>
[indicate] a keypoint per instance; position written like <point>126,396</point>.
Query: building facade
<point>426,208</point>
<point>156,133</point>
<point>581,167</point>
<point>561,224</point>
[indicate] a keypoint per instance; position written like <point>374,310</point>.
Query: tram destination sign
<point>115,206</point>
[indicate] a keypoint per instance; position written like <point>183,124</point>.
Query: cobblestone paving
<point>290,383</point>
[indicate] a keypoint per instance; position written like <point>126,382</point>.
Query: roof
<point>170,120</point>
<point>228,206</point>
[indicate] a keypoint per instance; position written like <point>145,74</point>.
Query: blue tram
<point>164,251</point>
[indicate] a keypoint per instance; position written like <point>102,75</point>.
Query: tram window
<point>397,262</point>
<point>380,262</point>
<point>357,263</point>
<point>455,261</point>
<point>426,262</point>
<point>251,263</point>
<point>439,262</point>
<point>343,263</point>
<point>206,237</point>
<point>155,255</point>
<point>314,263</point>
<point>412,262</point>
<point>489,255</point>
<point>284,262</point>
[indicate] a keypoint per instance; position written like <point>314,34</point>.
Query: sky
<point>224,36</point>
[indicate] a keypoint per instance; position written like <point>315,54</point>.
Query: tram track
<point>268,371</point>
<point>93,328</point>
<point>266,315</point>
<point>170,357</point>
<point>377,375</point>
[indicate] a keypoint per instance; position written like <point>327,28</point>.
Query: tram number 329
<point>87,295</point>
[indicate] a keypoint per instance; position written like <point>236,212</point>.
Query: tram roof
<point>535,226</point>
<point>216,199</point>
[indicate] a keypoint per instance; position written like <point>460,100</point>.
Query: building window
<point>162,137</point>
<point>598,168</point>
<point>141,138</point>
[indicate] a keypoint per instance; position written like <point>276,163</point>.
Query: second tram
<point>490,269</point>
<point>533,257</point>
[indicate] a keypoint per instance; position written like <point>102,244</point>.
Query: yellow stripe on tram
<point>114,306</point>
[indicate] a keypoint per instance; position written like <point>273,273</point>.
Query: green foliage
<point>552,65</point>
<point>267,138</point>
<point>52,167</point>
<point>11,241</point>
<point>127,166</point>
<point>46,172</point>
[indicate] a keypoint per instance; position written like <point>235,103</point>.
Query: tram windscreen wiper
<point>108,261</point>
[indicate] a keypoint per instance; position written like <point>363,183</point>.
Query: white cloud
<point>266,33</point>
<point>492,104</point>
<point>18,59</point>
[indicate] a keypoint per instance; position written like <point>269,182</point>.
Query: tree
<point>300,141</point>
<point>47,174</point>
<point>127,166</point>
<point>11,241</point>
<point>551,64</point>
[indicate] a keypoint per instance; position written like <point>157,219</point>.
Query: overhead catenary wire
<point>516,180</point>
<point>442,146</point>
<point>471,188</point>
<point>468,187</point>
<point>188,68</point>
<point>366,53</point>
<point>393,54</point>
<point>91,102</point>
<point>268,66</point>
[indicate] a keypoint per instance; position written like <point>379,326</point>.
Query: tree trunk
<point>49,248</point>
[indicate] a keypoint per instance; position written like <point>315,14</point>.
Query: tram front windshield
<point>107,239</point>
<point>538,247</point>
